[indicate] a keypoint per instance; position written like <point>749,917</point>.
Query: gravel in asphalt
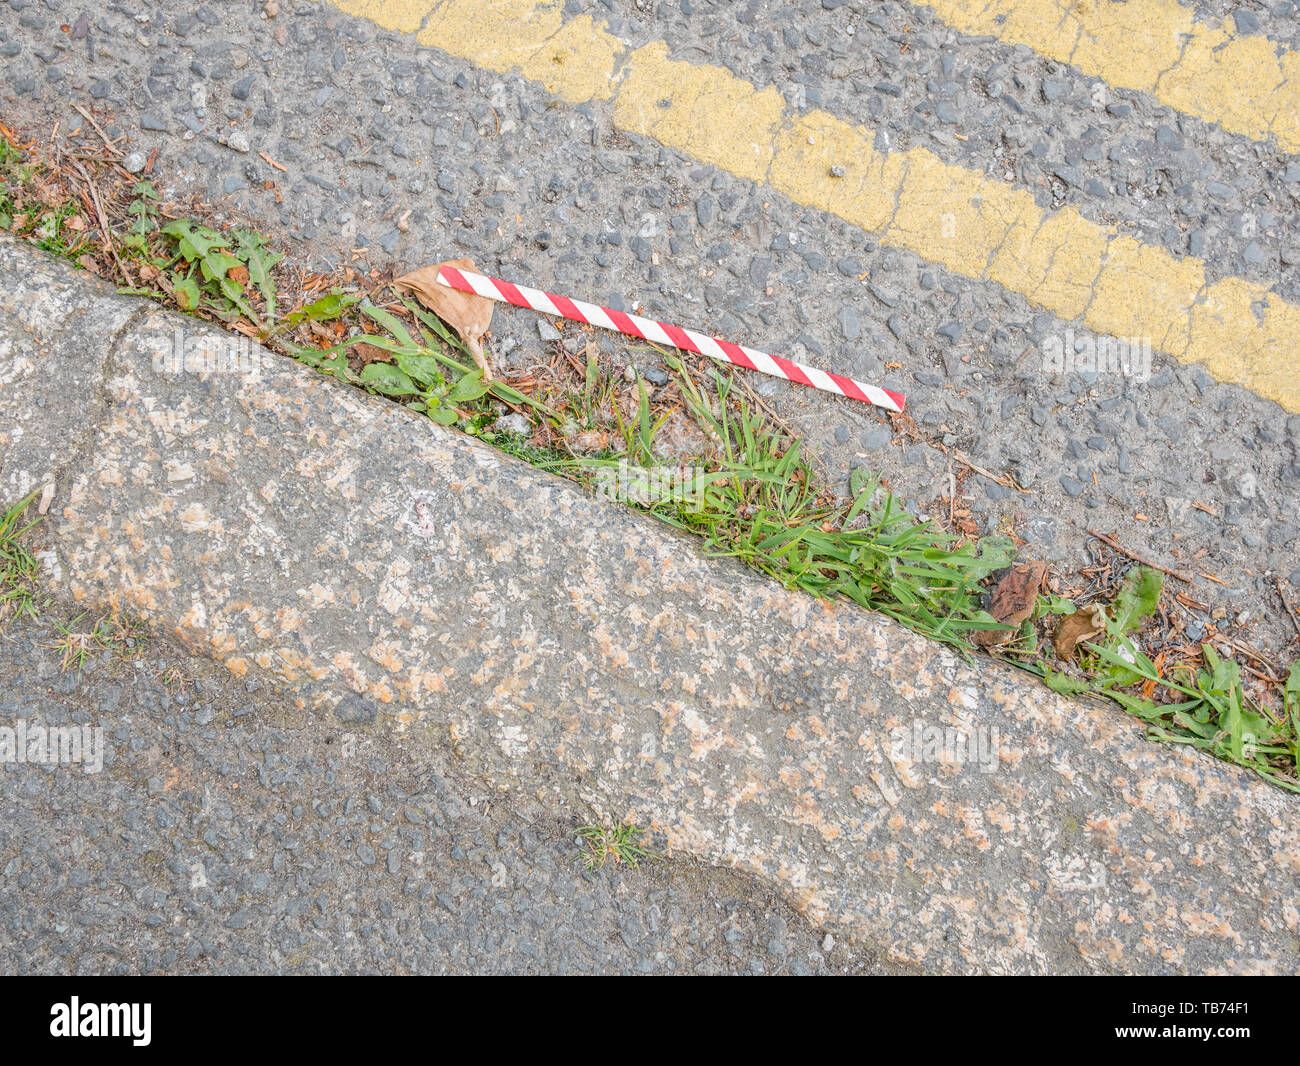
<point>228,833</point>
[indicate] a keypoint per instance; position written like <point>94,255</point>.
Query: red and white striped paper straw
<point>662,333</point>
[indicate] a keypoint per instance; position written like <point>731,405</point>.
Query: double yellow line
<point>973,225</point>
<point>1244,83</point>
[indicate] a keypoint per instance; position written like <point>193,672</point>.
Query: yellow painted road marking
<point>973,225</point>
<point>1155,47</point>
<point>574,60</point>
<point>720,120</point>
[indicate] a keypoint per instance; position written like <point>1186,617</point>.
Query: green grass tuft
<point>613,843</point>
<point>19,569</point>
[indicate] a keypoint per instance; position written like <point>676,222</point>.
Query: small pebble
<point>513,423</point>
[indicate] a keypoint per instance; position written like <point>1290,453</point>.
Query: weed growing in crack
<point>618,843</point>
<point>20,595</point>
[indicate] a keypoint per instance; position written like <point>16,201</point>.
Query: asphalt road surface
<point>1072,241</point>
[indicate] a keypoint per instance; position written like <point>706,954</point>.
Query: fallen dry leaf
<point>468,314</point>
<point>904,426</point>
<point>370,353</point>
<point>1149,685</point>
<point>1013,601</point>
<point>589,443</point>
<point>679,437</point>
<point>1085,623</point>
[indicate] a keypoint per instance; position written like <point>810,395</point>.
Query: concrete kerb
<point>398,576</point>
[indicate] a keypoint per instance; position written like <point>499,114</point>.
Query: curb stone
<point>57,332</point>
<point>385,570</point>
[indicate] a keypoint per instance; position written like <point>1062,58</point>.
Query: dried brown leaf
<point>679,437</point>
<point>370,353</point>
<point>1086,622</point>
<point>589,443</point>
<point>1013,600</point>
<point>469,314</point>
